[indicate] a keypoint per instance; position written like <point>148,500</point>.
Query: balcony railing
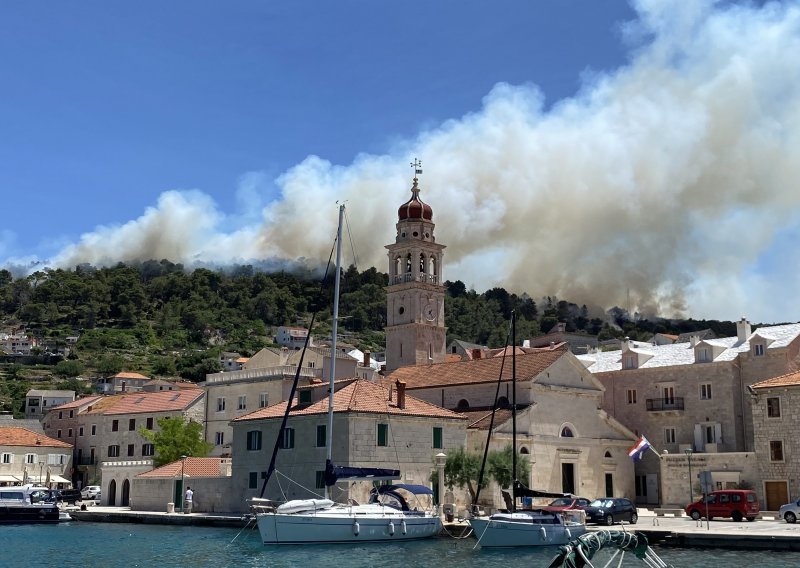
<point>84,460</point>
<point>409,277</point>
<point>656,404</point>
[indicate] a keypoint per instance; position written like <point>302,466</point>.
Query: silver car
<point>90,492</point>
<point>790,511</point>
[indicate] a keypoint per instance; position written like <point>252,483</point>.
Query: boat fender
<point>356,528</point>
<point>391,528</point>
<point>569,535</point>
<point>543,533</point>
<point>403,527</point>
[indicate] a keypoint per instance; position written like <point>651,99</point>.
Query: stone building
<point>692,396</point>
<point>28,456</point>
<point>776,408</point>
<point>371,428</point>
<point>39,402</point>
<point>109,450</point>
<point>573,446</point>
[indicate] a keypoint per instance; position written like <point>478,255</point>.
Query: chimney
<point>366,358</point>
<point>401,395</point>
<point>625,344</point>
<point>743,330</point>
<point>694,340</point>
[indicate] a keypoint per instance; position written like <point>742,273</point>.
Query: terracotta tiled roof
<point>23,437</point>
<point>128,375</point>
<point>787,380</point>
<point>140,402</point>
<point>76,403</point>
<point>242,359</point>
<point>529,365</point>
<point>360,396</point>
<point>480,419</point>
<point>452,357</point>
<point>194,467</point>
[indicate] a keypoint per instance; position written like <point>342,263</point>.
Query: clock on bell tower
<point>415,331</point>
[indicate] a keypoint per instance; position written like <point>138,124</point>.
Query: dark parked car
<point>611,510</point>
<point>69,496</point>
<point>566,504</point>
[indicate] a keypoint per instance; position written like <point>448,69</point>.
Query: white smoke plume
<point>667,183</point>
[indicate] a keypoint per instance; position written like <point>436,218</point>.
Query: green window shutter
<point>437,437</point>
<point>383,434</point>
<point>322,436</point>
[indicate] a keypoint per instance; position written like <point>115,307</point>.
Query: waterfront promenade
<point>771,534</point>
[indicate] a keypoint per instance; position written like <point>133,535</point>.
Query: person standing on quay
<point>187,502</point>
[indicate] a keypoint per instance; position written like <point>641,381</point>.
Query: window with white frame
<point>8,458</point>
<point>286,441</point>
<point>776,450</point>
<point>773,407</point>
<point>94,429</point>
<point>242,402</point>
<point>669,435</point>
<point>702,355</point>
<point>148,450</point>
<point>263,400</point>
<point>758,349</point>
<point>219,438</point>
<point>113,451</point>
<point>30,458</point>
<point>220,404</point>
<point>629,362</point>
<point>705,391</point>
<point>630,396</point>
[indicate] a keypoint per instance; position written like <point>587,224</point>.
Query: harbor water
<point>111,545</point>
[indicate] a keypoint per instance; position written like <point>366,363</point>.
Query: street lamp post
<point>441,460</point>
<point>688,452</point>
<point>183,490</point>
<point>41,467</point>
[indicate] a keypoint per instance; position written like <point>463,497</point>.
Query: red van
<point>737,504</point>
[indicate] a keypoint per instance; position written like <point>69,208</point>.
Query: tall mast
<point>513,409</point>
<point>334,326</point>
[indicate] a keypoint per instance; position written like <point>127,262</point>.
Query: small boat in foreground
<point>28,504</point>
<point>579,552</point>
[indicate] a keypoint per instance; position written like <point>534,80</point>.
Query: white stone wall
<point>153,494</point>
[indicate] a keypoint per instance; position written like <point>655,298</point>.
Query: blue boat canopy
<point>411,488</point>
<point>333,473</point>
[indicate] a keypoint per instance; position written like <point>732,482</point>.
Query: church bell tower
<point>415,331</point>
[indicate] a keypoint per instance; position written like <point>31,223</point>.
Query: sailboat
<point>386,517</point>
<point>530,527</point>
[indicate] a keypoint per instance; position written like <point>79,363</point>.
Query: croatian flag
<point>638,449</point>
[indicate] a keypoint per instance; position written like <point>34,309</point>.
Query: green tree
<point>176,437</point>
<point>499,465</point>
<point>68,368</point>
<point>110,364</point>
<point>462,469</point>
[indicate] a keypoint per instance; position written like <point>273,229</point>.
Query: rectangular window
<point>631,396</point>
<point>58,434</point>
<point>629,362</point>
<point>71,413</point>
<point>773,407</point>
<point>287,439</point>
<point>219,438</point>
<point>115,425</point>
<point>311,364</point>
<point>94,429</point>
<point>131,450</point>
<point>641,486</point>
<point>776,450</point>
<point>254,440</point>
<point>702,354</point>
<point>150,423</point>
<point>263,400</point>
<point>30,458</point>
<point>322,435</point>
<point>220,404</point>
<point>60,414</point>
<point>148,450</point>
<point>253,483</point>
<point>669,396</point>
<point>669,435</point>
<point>131,424</point>
<point>113,451</point>
<point>383,434</point>
<point>242,402</point>
<point>705,391</point>
<point>320,479</point>
<point>80,431</point>
<point>8,458</point>
<point>304,397</point>
<point>437,437</point>
<point>709,434</point>
<point>758,349</point>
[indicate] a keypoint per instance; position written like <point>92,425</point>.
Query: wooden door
<point>777,494</point>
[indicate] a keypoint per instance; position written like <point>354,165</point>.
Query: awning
<point>58,479</point>
<point>10,478</point>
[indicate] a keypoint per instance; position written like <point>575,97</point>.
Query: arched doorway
<point>126,493</point>
<point>112,493</point>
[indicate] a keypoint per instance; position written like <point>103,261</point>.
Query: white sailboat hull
<point>342,523</point>
<point>523,531</point>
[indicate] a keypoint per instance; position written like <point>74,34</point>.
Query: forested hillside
<point>157,318</point>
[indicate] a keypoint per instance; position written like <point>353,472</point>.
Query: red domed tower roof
<point>415,208</point>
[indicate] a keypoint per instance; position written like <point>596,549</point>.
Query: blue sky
<point>217,126</point>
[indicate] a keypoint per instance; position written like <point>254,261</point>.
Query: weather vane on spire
<point>417,165</point>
